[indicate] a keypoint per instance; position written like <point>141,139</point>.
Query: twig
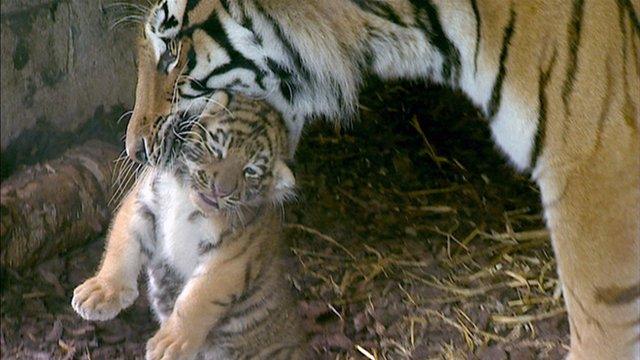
<point>364,352</point>
<point>432,152</point>
<point>527,318</point>
<point>320,235</point>
<point>519,236</point>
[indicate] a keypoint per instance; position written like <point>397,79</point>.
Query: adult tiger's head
<point>234,157</point>
<point>191,48</point>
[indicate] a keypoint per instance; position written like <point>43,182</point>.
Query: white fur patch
<point>395,56</point>
<point>159,47</point>
<point>178,236</point>
<point>514,128</point>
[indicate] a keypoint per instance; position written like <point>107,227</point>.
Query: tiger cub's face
<point>234,158</point>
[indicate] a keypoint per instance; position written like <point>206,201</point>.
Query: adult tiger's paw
<point>101,298</point>
<point>174,341</point>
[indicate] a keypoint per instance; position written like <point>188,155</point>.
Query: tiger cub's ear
<point>218,101</point>
<point>284,181</point>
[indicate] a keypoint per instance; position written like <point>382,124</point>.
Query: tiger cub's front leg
<point>115,287</point>
<point>214,286</point>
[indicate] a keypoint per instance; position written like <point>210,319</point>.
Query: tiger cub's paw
<point>101,298</point>
<point>174,341</point>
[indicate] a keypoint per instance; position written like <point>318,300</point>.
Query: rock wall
<point>62,64</point>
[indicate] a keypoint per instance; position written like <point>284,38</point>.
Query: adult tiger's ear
<point>285,182</point>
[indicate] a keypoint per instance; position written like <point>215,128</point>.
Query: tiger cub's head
<point>234,157</point>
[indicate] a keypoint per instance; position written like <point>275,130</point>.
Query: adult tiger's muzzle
<point>136,146</point>
<point>142,132</point>
<point>155,94</point>
<point>157,145</point>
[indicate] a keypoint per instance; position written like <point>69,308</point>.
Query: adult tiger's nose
<point>137,150</point>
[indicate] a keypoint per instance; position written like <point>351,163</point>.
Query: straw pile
<point>414,239</point>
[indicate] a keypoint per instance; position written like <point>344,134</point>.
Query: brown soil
<point>411,239</point>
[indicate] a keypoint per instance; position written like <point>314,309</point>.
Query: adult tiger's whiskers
<point>124,171</point>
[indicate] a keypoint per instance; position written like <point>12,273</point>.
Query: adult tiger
<point>559,82</point>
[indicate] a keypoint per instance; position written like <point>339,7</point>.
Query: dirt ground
<point>411,239</point>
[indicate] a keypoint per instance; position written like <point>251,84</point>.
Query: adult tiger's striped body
<point>208,230</point>
<point>559,82</point>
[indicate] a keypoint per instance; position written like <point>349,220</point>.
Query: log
<point>52,207</point>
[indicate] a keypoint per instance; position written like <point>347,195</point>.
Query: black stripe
<point>543,80</point>
<point>191,4</point>
<point>250,292</point>
<point>617,295</point>
<point>195,215</point>
<point>146,212</point>
<point>625,67</point>
<point>205,246</point>
<point>169,285</point>
<point>372,34</point>
<point>380,9</point>
<point>244,329</point>
<point>606,105</point>
<point>247,277</point>
<point>165,8</point>
<point>154,187</point>
<point>434,32</point>
<point>192,61</point>
<point>143,246</point>
<point>476,14</point>
<point>225,6</point>
<point>496,93</point>
<point>222,303</point>
<point>633,16</point>
<point>294,55</point>
<point>573,40</point>
<point>241,252</point>
<point>150,216</point>
<point>264,299</point>
<point>170,22</point>
<point>213,27</point>
<point>623,30</point>
<point>247,22</point>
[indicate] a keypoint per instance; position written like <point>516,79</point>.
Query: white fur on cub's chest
<point>178,236</point>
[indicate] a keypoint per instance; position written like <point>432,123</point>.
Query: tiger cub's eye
<point>250,172</point>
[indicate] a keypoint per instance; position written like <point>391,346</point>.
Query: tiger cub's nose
<point>221,190</point>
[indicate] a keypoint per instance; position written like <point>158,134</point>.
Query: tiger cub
<point>208,229</point>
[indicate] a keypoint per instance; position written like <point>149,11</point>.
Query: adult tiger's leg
<point>593,212</point>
